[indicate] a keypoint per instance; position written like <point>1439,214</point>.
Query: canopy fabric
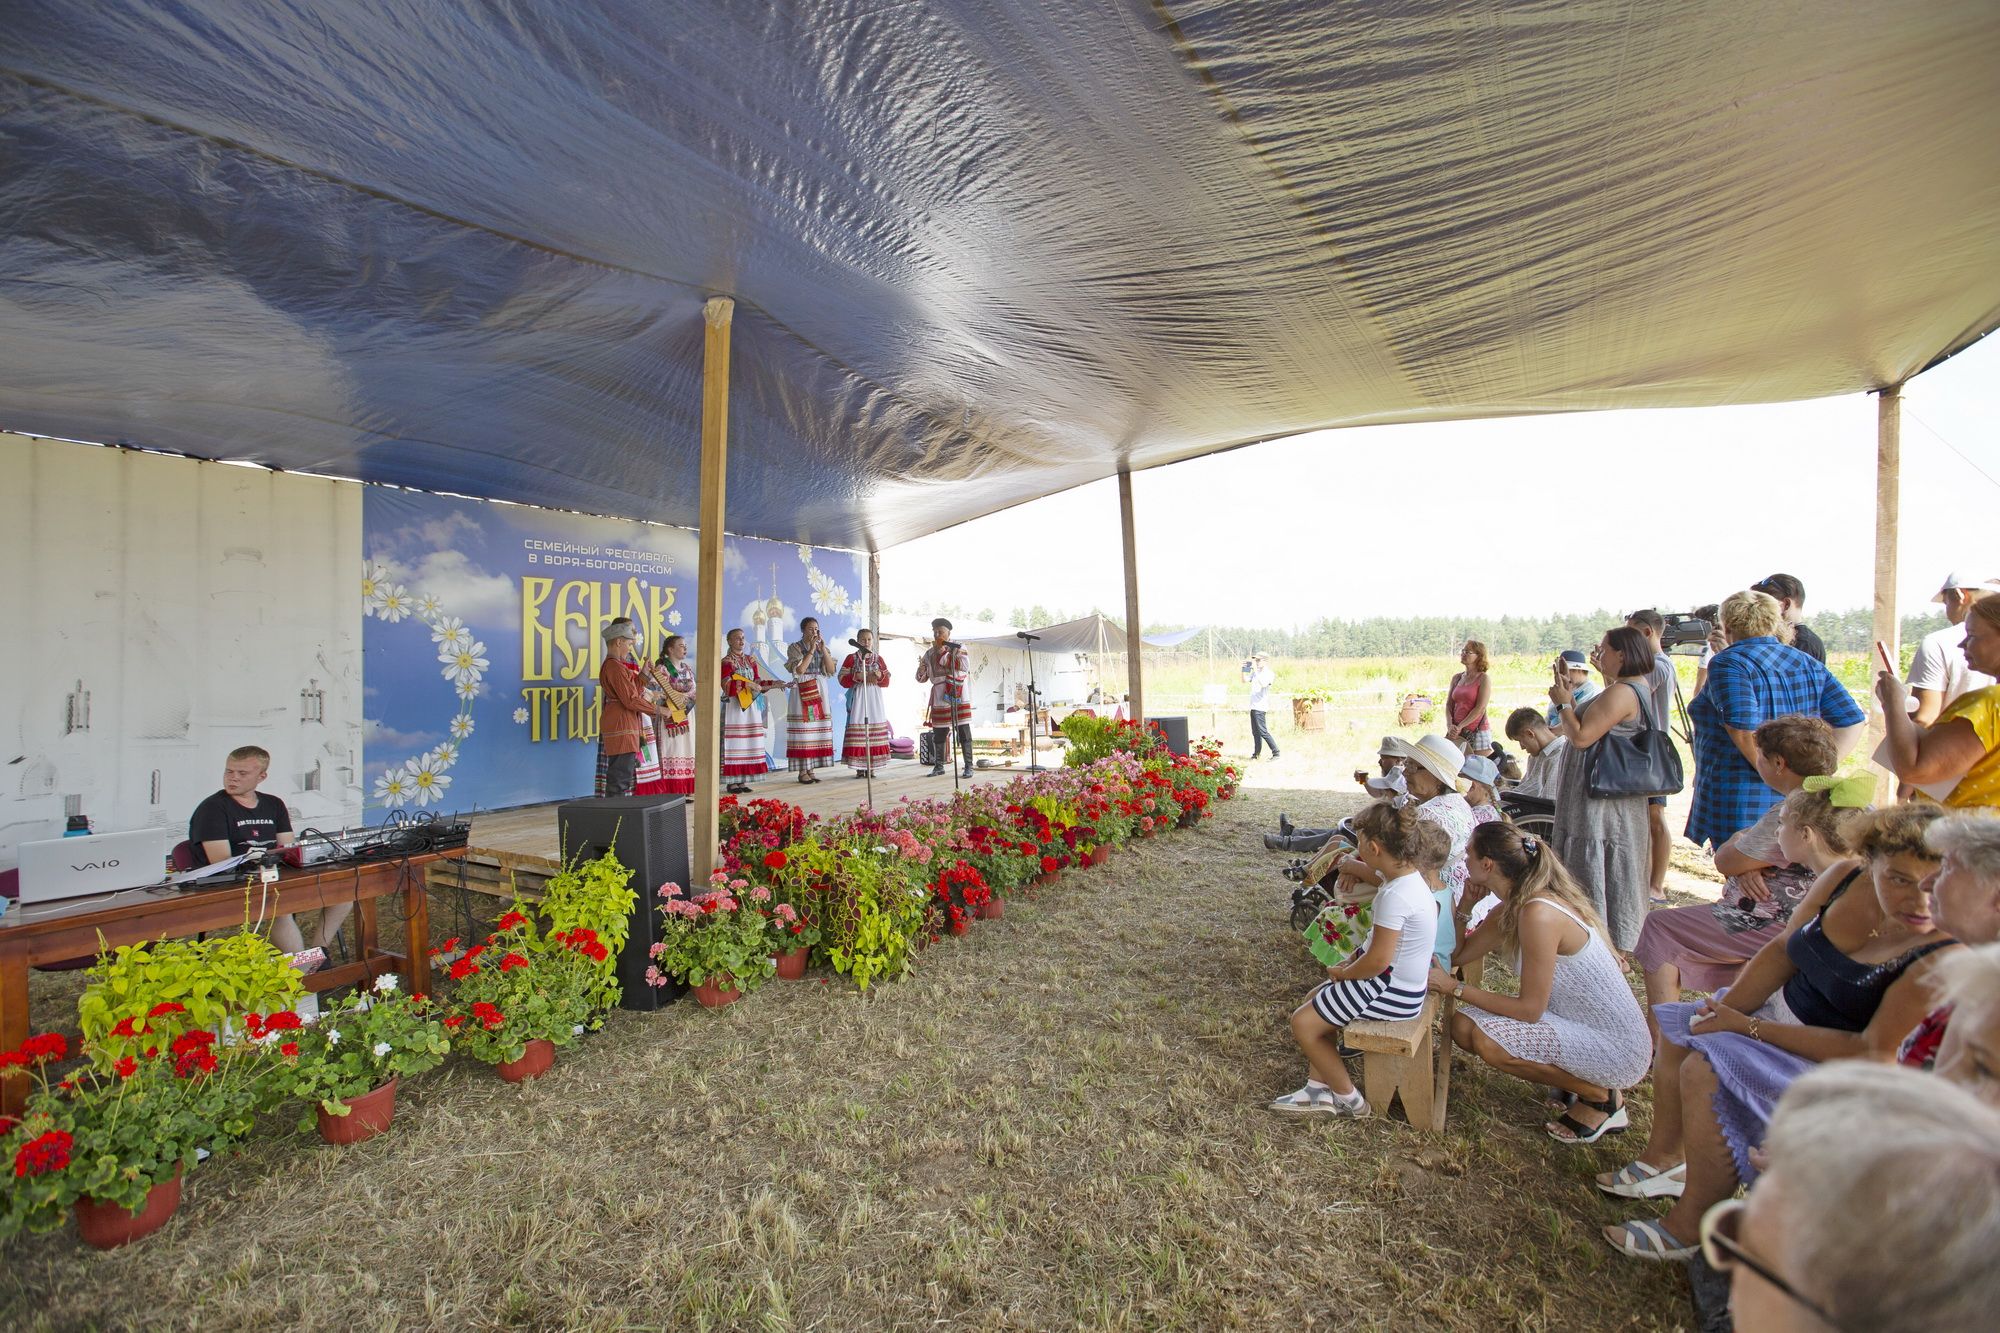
<point>982,250</point>
<point>1172,638</point>
<point>1093,633</point>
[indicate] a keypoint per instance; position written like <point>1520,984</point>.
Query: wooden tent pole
<point>1134,657</point>
<point>708,587</point>
<point>875,597</point>
<point>1888,507</point>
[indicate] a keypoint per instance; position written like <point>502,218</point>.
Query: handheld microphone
<point>1031,638</point>
<point>953,643</point>
<point>854,643</point>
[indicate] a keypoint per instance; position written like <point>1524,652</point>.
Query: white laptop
<point>101,863</point>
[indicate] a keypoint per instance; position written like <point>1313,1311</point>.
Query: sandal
<point>1615,1122</point>
<point>1643,1238</point>
<point>1636,1180</point>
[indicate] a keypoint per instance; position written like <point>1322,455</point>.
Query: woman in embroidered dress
<point>808,720</point>
<point>865,747</point>
<point>673,676</point>
<point>743,684</point>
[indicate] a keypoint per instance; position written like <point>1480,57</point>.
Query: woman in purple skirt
<point>1847,980</point>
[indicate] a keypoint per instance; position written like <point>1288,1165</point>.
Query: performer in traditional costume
<point>947,666</point>
<point>809,716</point>
<point>673,676</point>
<point>627,754</point>
<point>743,685</point>
<point>865,747</point>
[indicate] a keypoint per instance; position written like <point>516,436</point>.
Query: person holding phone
<point>1961,750</point>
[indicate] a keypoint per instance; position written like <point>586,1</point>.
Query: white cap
<point>1955,581</point>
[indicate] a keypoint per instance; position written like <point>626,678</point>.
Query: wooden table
<point>53,932</point>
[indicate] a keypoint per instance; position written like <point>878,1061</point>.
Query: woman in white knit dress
<point>1575,1025</point>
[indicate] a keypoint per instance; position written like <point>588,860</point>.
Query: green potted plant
<point>213,980</point>
<point>350,1062</point>
<point>519,996</point>
<point>109,1141</point>
<point>597,896</point>
<point>717,943</point>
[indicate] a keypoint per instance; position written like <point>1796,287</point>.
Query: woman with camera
<point>1603,839</point>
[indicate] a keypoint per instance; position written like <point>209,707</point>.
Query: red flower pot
<point>367,1115</point>
<point>106,1226</point>
<point>959,926</point>
<point>1046,878</point>
<point>792,964</point>
<point>1100,854</point>
<point>1189,818</point>
<point>534,1062</point>
<point>988,910</point>
<point>716,992</point>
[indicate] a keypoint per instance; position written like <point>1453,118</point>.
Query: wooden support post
<point>705,831</point>
<point>1888,507</point>
<point>1134,655</point>
<point>875,597</point>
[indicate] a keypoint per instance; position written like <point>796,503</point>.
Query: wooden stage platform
<point>513,851</point>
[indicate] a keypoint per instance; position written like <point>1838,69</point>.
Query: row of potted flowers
<point>175,1077</point>
<point>187,1044</point>
<point>862,892</point>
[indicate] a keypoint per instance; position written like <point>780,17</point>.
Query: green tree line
<point>1423,636</point>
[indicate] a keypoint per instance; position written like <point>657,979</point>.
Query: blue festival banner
<point>481,640</point>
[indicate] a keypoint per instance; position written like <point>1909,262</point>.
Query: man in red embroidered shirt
<point>624,705</point>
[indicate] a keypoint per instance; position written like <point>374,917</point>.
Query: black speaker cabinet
<point>1176,731</point>
<point>649,833</point>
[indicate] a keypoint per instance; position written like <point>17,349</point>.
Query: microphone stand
<point>955,695</point>
<point>867,741</point>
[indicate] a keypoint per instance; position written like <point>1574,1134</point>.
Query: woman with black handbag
<point>1618,754</point>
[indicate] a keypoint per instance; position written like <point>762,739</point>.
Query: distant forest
<point>1421,636</point>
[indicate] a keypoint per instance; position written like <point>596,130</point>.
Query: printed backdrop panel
<point>482,638</point>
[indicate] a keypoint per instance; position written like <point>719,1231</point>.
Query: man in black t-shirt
<point>1791,595</point>
<point>228,823</point>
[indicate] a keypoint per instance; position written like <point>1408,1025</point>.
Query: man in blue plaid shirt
<point>1753,680</point>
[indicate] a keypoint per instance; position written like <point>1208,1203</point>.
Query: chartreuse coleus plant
<point>214,979</point>
<point>595,895</point>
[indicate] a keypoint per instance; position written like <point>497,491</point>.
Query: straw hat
<point>1439,757</point>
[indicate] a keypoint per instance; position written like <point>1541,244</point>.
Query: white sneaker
<point>1312,1100</point>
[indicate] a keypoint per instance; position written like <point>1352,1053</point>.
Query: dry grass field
<point>1055,1123</point>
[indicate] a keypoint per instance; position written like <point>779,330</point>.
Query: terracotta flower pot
<point>792,964</point>
<point>990,910</point>
<point>1046,878</point>
<point>106,1226</point>
<point>367,1115</point>
<point>1189,818</point>
<point>716,992</point>
<point>959,925</point>
<point>1100,854</point>
<point>534,1062</point>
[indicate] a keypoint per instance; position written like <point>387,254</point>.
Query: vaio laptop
<point>101,863</point>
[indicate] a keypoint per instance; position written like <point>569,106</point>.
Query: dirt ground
<point>1055,1122</point>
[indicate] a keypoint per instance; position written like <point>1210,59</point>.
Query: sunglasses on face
<point>1722,1250</point>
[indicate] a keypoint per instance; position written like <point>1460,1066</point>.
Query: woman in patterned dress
<point>743,722</point>
<point>865,747</point>
<point>673,676</point>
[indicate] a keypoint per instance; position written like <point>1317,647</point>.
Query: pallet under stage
<point>515,850</point>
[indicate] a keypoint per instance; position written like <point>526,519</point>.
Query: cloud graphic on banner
<point>376,732</point>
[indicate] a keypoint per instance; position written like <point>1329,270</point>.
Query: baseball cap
<point>1955,581</point>
<point>1574,659</point>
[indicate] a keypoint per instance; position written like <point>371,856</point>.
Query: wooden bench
<point>1409,1058</point>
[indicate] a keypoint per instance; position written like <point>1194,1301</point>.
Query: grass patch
<point>1055,1122</point>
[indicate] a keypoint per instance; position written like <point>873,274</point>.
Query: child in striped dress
<point>1385,980</point>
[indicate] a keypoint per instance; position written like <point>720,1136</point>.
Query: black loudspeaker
<point>649,833</point>
<point>1176,731</point>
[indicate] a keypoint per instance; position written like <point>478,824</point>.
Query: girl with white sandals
<point>1575,1024</point>
<point>1384,980</point>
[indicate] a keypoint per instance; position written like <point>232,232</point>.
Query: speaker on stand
<point>649,833</point>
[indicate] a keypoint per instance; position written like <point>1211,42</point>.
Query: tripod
<point>1034,698</point>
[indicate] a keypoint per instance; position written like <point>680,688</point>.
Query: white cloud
<point>375,732</point>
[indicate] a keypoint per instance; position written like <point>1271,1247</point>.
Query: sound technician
<point>239,816</point>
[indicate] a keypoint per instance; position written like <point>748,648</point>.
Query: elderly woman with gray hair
<point>1880,1209</point>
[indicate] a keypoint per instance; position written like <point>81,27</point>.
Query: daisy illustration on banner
<point>828,597</point>
<point>521,717</point>
<point>423,779</point>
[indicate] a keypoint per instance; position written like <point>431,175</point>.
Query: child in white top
<point>1385,980</point>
